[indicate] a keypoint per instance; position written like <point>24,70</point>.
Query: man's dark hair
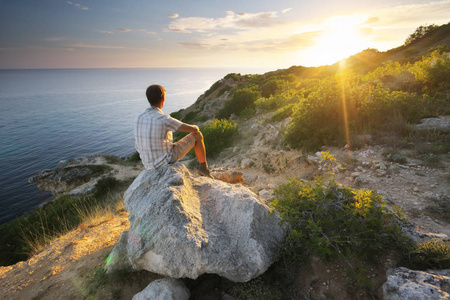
<point>155,93</point>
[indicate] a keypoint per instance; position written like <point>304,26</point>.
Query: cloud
<point>173,16</point>
<point>194,45</point>
<point>372,20</point>
<point>286,10</point>
<point>268,32</point>
<point>147,32</point>
<point>413,15</point>
<point>53,39</point>
<point>81,45</point>
<point>124,29</point>
<point>79,6</point>
<point>231,21</point>
<point>105,31</point>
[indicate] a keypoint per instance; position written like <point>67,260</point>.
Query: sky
<point>204,33</point>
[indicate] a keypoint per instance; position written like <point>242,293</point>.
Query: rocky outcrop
<point>403,283</point>
<point>166,288</point>
<point>184,226</point>
<point>441,123</point>
<point>82,174</point>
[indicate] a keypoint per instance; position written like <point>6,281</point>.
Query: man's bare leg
<point>199,147</point>
<point>200,152</point>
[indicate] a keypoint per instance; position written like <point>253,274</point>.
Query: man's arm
<point>188,128</point>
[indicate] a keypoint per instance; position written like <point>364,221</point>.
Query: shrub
<point>319,119</point>
<point>284,112</point>
<point>177,114</point>
<point>433,254</point>
<point>420,32</point>
<point>334,222</point>
<point>433,70</point>
<point>134,158</point>
<point>214,87</point>
<point>217,135</point>
<point>234,76</point>
<point>242,99</point>
<point>247,113</point>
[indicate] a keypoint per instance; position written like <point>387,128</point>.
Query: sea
<point>55,114</point>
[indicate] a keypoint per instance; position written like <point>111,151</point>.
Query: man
<point>153,135</point>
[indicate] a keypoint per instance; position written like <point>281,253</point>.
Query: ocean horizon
<point>49,115</point>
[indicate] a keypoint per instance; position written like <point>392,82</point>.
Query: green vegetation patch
<point>20,237</point>
<point>241,99</point>
<point>218,135</point>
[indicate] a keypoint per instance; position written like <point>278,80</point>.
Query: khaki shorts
<point>182,147</point>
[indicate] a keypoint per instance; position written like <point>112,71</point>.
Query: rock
<point>440,124</point>
<point>399,158</point>
<point>403,283</point>
<point>419,236</point>
<point>265,194</point>
<point>184,226</point>
<point>60,180</point>
<point>362,179</point>
<point>164,289</point>
<point>230,176</point>
<point>416,190</point>
<point>81,173</point>
<point>313,160</point>
<point>271,133</point>
<point>119,262</point>
<point>247,163</point>
<point>356,174</point>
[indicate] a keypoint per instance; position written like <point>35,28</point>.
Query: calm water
<point>50,115</point>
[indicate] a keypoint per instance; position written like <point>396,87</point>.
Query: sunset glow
<point>342,39</point>
<point>231,34</point>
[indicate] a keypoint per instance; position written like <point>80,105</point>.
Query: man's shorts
<point>182,147</point>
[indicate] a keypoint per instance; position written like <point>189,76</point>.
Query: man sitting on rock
<point>153,135</point>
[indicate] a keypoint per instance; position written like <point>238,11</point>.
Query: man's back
<point>153,136</point>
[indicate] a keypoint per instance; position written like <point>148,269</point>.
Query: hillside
<point>384,117</point>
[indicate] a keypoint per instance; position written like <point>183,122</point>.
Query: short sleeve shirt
<point>153,137</point>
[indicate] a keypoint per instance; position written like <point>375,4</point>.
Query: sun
<point>342,37</point>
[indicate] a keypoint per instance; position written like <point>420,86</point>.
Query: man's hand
<point>188,128</point>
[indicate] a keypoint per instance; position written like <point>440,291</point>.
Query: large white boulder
<point>184,226</point>
<point>403,283</point>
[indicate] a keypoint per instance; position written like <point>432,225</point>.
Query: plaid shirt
<point>153,137</point>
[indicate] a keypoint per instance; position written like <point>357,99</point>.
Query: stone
<point>313,160</point>
<point>164,289</point>
<point>60,180</point>
<point>184,225</point>
<point>230,176</point>
<point>247,163</point>
<point>439,124</point>
<point>403,283</point>
<point>265,194</point>
<point>362,179</point>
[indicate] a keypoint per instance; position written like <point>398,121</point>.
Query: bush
<point>134,158</point>
<point>433,254</point>
<point>217,135</point>
<point>433,70</point>
<point>284,112</point>
<point>214,87</point>
<point>247,113</point>
<point>242,99</point>
<point>177,114</point>
<point>334,222</point>
<point>420,32</point>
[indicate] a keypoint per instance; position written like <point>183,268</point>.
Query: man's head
<point>155,94</point>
